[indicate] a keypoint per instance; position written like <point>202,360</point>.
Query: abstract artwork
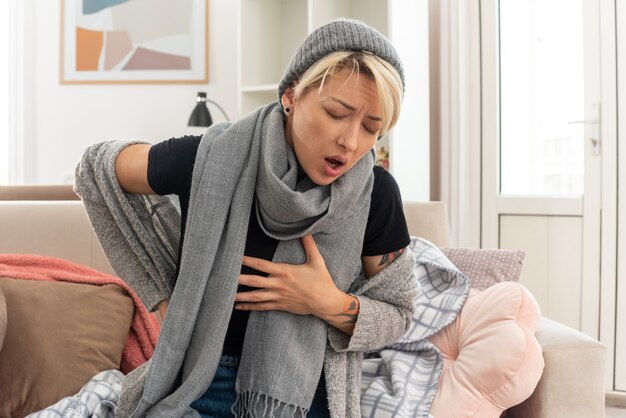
<point>134,41</point>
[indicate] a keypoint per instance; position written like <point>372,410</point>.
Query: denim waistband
<point>230,360</point>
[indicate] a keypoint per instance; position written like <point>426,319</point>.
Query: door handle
<point>595,139</point>
<point>589,121</point>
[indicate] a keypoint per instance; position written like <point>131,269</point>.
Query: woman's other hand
<point>162,309</point>
<point>298,288</point>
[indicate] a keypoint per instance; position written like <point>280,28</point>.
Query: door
<point>549,127</point>
<point>541,104</point>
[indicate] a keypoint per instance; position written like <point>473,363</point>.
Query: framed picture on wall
<point>134,41</point>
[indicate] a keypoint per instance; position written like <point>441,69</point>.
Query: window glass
<point>541,93</point>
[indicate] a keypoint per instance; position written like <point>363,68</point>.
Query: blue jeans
<point>220,396</point>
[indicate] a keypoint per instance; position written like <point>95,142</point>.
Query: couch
<point>50,220</point>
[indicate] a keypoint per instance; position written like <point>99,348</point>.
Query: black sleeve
<point>170,165</point>
<point>386,229</point>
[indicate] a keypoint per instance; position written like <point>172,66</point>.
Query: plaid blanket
<point>401,379</point>
<point>97,399</point>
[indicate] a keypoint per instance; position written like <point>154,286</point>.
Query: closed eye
<point>334,116</point>
<point>340,117</point>
<point>369,131</point>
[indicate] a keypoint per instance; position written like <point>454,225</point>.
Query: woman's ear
<point>287,99</point>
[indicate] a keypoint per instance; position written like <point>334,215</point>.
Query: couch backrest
<point>428,220</point>
<point>50,220</point>
<point>38,192</point>
<point>56,228</point>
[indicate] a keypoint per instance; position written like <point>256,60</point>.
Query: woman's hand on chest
<point>304,289</point>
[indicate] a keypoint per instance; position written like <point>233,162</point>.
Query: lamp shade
<point>200,115</point>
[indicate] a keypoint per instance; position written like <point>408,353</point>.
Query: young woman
<point>290,334</point>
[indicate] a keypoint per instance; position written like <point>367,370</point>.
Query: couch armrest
<point>572,384</point>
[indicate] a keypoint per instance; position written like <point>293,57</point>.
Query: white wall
<point>62,120</point>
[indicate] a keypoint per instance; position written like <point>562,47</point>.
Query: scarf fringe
<point>248,403</point>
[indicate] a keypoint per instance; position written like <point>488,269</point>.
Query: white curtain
<point>459,121</point>
<point>4,91</point>
<point>19,32</point>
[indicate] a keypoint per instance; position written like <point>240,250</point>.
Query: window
<point>542,92</point>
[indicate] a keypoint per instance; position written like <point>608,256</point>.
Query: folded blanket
<point>401,380</point>
<point>145,327</point>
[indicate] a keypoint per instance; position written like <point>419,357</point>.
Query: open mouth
<point>334,163</point>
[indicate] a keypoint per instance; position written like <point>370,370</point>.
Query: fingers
<point>254,280</point>
<point>162,308</point>
<point>268,306</point>
<point>312,253</point>
<point>269,267</point>
<point>260,264</point>
<point>263,299</point>
<point>255,296</point>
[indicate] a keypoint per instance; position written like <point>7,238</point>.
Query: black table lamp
<point>201,115</point>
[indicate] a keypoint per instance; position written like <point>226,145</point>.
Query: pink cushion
<point>492,360</point>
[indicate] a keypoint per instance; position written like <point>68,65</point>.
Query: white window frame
<point>620,286</point>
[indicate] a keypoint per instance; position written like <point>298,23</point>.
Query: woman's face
<point>329,132</point>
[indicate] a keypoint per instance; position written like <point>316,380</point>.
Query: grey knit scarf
<point>283,353</point>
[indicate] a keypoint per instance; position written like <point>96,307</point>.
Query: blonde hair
<point>387,80</point>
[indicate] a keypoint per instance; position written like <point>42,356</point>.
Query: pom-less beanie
<point>339,35</point>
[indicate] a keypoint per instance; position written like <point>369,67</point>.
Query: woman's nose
<point>350,138</point>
